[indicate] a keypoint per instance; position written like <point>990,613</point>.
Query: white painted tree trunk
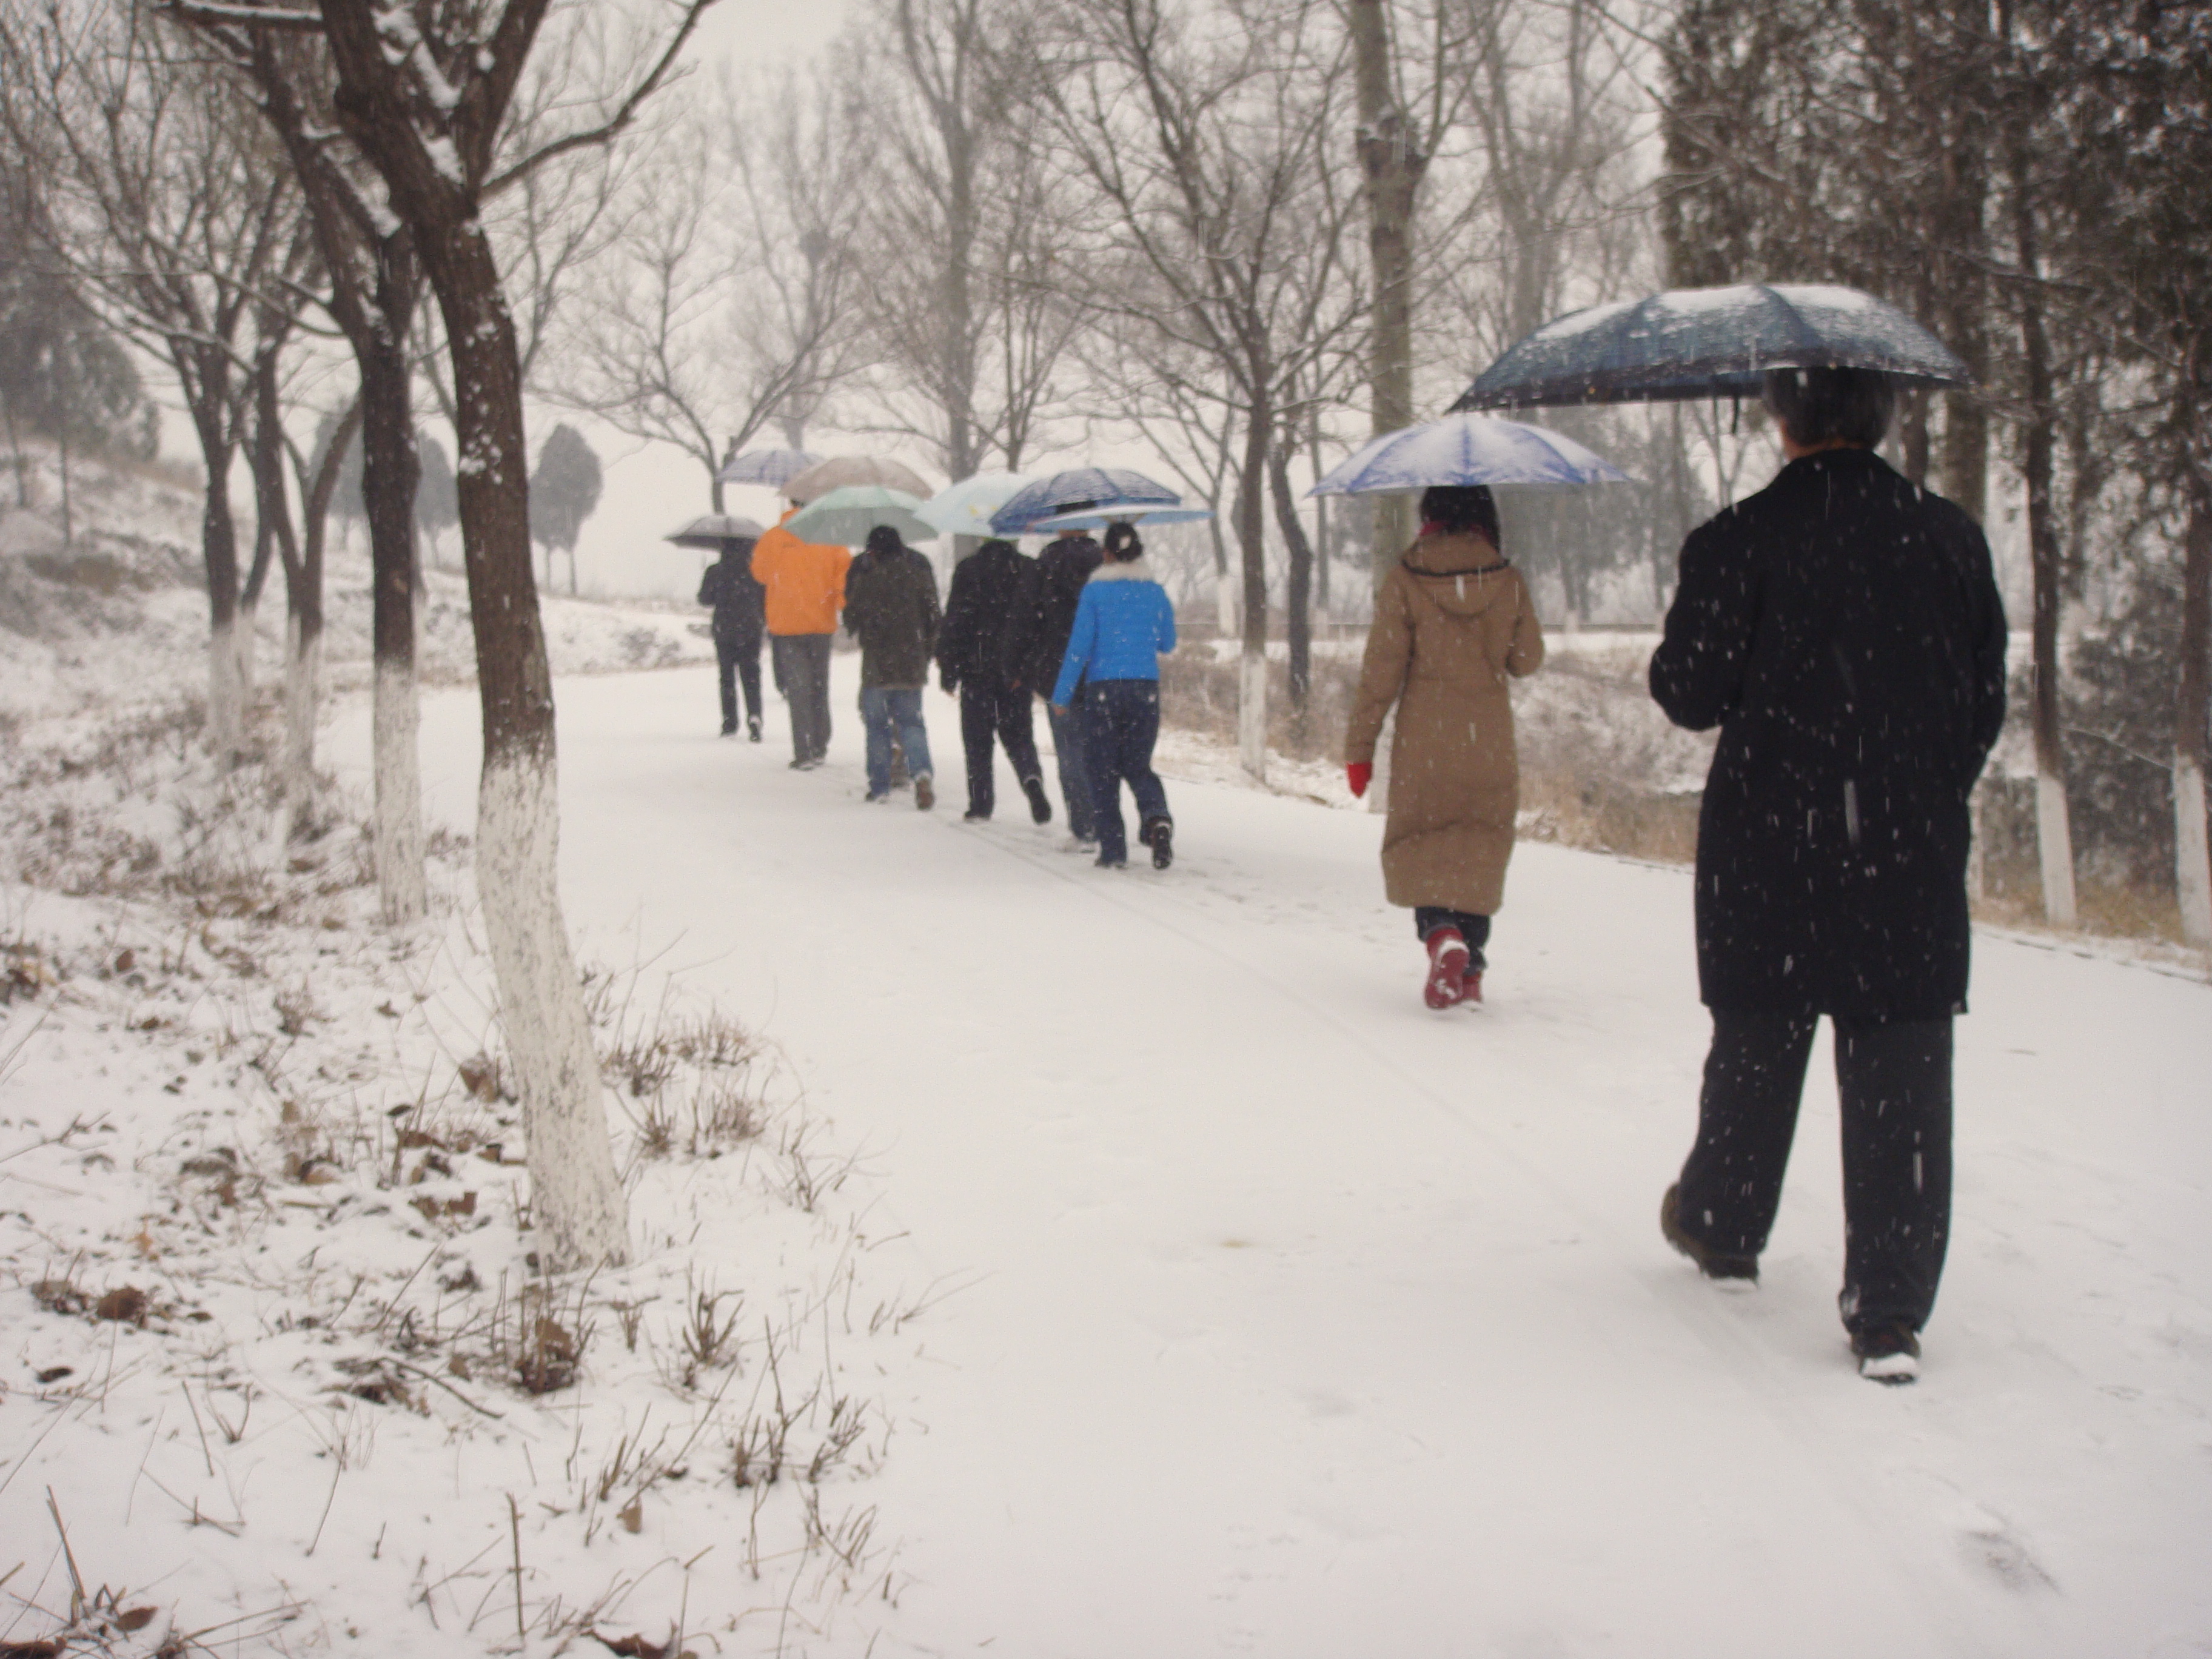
<point>303,680</point>
<point>399,880</point>
<point>1252,713</point>
<point>2054,843</point>
<point>226,699</point>
<point>246,637</point>
<point>577,1203</point>
<point>1977,882</point>
<point>2192,860</point>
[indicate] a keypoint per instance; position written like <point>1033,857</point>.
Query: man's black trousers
<point>1894,1080</point>
<point>987,713</point>
<point>738,660</point>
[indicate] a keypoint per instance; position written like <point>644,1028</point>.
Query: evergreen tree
<point>564,492</point>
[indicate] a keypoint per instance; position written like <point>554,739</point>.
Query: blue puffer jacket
<point>1122,622</point>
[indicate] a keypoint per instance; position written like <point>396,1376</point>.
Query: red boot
<point>1448,961</point>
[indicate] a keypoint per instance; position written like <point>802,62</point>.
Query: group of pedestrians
<point>1082,626</point>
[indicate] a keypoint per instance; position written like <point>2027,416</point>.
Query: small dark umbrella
<point>1709,342</point>
<point>713,529</point>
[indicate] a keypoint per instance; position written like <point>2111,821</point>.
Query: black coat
<point>1044,612</point>
<point>986,586</point>
<point>740,602</point>
<point>890,607</point>
<point>1844,630</point>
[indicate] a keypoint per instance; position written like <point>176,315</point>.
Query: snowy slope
<point>1294,1320</point>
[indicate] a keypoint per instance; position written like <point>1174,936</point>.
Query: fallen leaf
<point>632,1516</point>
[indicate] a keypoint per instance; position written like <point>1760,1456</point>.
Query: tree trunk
<point>389,470</point>
<point>2192,708</point>
<point>304,686</point>
<point>1298,589</point>
<point>303,618</point>
<point>1392,168</point>
<point>219,557</point>
<point>2054,829</point>
<point>1252,545</point>
<point>578,1201</point>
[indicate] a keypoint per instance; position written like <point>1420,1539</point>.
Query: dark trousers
<point>802,668</point>
<point>1067,741</point>
<point>1475,929</point>
<point>738,660</point>
<point>1895,1078</point>
<point>1120,723</point>
<point>989,713</point>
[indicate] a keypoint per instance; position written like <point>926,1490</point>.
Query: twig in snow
<point>76,1578</point>
<point>515,1528</point>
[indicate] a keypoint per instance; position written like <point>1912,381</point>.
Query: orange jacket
<point>805,581</point>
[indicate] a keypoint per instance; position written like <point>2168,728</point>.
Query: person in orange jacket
<point>805,589</point>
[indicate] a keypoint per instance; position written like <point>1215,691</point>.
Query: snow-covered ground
<point>1292,1319</point>
<point>1116,1264</point>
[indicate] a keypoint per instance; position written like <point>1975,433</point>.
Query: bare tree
<point>172,213</point>
<point>1207,142</point>
<point>424,97</point>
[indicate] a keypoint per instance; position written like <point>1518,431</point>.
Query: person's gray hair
<point>1823,405</point>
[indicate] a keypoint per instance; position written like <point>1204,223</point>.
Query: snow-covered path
<point>1296,1319</point>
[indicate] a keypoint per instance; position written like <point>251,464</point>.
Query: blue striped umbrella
<point>1467,449</point>
<point>1079,490</point>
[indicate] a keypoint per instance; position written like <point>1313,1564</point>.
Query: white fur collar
<point>1136,570</point>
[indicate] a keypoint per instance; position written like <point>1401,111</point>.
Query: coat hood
<point>1459,573</point>
<point>1133,570</point>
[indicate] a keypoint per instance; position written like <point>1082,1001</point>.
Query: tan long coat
<point>1452,621</point>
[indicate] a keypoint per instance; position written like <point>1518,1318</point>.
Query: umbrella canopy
<point>843,471</point>
<point>1098,518</point>
<point>1467,449</point>
<point>1079,490</point>
<point>1709,342</point>
<point>965,508</point>
<point>773,467</point>
<point>711,530</point>
<point>846,516</point>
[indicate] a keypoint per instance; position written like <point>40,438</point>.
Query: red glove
<point>1358,773</point>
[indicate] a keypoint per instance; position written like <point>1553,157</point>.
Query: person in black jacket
<point>737,599</point>
<point>1035,640</point>
<point>1844,630</point>
<point>970,663</point>
<point>890,608</point>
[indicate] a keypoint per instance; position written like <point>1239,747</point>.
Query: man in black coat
<point>1035,643</point>
<point>970,661</point>
<point>737,600</point>
<point>1844,630</point>
<point>890,608</point>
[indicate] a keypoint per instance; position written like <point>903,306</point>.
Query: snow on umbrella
<point>846,516</point>
<point>1097,518</point>
<point>965,508</point>
<point>773,467</point>
<point>1467,449</point>
<point>1079,489</point>
<point>711,530</point>
<point>842,471</point>
<point>1709,342</point>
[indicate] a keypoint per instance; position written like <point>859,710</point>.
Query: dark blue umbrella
<point>1709,342</point>
<point>1079,490</point>
<point>773,467</point>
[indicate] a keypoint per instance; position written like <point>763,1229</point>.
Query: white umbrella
<point>965,508</point>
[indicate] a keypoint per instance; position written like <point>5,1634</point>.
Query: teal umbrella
<point>846,516</point>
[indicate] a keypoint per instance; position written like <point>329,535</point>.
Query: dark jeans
<point>1475,929</point>
<point>738,660</point>
<point>802,668</point>
<point>1068,742</point>
<point>1120,723</point>
<point>1895,1078</point>
<point>989,711</point>
<point>888,711</point>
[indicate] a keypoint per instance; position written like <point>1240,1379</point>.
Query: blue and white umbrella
<point>773,467</point>
<point>1079,489</point>
<point>965,508</point>
<point>1467,449</point>
<point>1097,518</point>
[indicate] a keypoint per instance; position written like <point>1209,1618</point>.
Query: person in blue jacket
<point>1122,622</point>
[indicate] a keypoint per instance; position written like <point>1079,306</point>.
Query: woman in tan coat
<point>1452,621</point>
